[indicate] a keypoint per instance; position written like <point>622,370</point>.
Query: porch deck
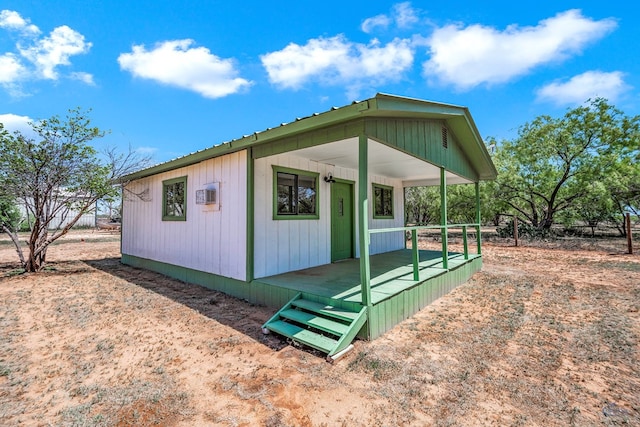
<point>391,274</point>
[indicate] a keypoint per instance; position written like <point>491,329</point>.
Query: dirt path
<point>540,337</point>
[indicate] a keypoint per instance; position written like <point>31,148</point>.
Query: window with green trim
<point>174,199</point>
<point>382,201</point>
<point>295,194</point>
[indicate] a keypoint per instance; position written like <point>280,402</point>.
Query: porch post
<point>363,216</point>
<point>250,216</point>
<point>443,218</point>
<point>478,217</point>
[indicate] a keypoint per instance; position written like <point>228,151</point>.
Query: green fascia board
<point>458,119</point>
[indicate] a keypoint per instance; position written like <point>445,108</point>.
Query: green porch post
<point>478,217</point>
<point>443,218</point>
<point>363,216</point>
<point>250,215</point>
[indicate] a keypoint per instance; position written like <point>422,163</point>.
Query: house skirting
<point>382,316</point>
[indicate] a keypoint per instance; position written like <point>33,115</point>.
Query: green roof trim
<point>458,119</point>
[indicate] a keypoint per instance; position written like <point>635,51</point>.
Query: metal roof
<point>382,105</point>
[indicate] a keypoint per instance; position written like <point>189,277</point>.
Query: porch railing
<point>444,231</point>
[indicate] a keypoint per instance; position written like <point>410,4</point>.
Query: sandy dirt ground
<point>543,336</point>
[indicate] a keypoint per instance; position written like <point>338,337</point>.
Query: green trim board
<point>250,254</point>
<point>363,218</point>
<point>174,199</point>
<point>254,292</point>
<point>443,214</point>
<point>293,194</point>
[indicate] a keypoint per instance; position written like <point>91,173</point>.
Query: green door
<point>341,221</point>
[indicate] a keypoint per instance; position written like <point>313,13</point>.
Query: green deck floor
<point>391,273</point>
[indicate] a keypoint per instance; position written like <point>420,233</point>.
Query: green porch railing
<point>444,229</point>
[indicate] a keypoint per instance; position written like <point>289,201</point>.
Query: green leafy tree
<point>422,205</point>
<point>624,188</point>
<point>556,162</point>
<point>57,178</point>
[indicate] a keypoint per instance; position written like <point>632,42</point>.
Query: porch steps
<point>323,327</point>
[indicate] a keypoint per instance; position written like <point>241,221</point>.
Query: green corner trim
<point>250,215</point>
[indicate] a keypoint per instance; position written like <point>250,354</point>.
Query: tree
<point>555,162</point>
<point>10,219</point>
<point>59,176</point>
<point>422,205</point>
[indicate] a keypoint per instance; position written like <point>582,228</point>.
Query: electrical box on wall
<point>209,195</point>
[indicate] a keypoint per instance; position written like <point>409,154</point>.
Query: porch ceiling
<point>383,160</point>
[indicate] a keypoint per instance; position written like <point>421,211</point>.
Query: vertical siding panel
<point>230,205</point>
<point>262,206</point>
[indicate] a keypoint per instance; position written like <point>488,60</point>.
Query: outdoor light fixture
<point>329,178</point>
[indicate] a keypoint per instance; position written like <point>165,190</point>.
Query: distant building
<point>60,220</point>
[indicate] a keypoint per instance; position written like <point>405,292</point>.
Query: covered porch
<point>400,283</point>
<point>369,283</point>
<point>391,273</point>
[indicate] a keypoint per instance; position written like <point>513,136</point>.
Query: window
<point>295,194</point>
<point>382,201</point>
<point>174,199</point>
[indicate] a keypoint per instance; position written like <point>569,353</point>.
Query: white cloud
<point>336,60</point>
<point>469,56</point>
<point>83,77</point>
<point>12,20</point>
<point>176,63</point>
<point>38,57</point>
<point>146,150</point>
<point>402,14</point>
<point>584,86</point>
<point>50,52</point>
<point>370,24</point>
<point>10,68</point>
<point>15,123</point>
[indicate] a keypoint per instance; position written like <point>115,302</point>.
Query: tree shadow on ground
<point>244,317</point>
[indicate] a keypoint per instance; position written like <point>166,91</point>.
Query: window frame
<point>383,188</point>
<point>296,172</point>
<point>165,184</point>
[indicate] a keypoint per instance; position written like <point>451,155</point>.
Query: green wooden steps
<point>323,327</point>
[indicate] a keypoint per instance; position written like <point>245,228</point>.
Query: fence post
<point>515,229</point>
<point>464,242</point>
<point>629,236</point>
<point>478,217</point>
<point>416,255</point>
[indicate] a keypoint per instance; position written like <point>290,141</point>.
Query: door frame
<point>351,185</point>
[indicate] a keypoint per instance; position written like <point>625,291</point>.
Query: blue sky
<point>170,79</point>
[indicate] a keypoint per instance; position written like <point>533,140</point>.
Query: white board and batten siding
<point>281,246</point>
<point>212,239</point>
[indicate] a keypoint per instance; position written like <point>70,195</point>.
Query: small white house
<point>64,217</point>
<point>310,215</point>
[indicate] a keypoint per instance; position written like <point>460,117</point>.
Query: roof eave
<point>457,117</point>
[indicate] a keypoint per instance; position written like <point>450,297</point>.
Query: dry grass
<point>542,337</point>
